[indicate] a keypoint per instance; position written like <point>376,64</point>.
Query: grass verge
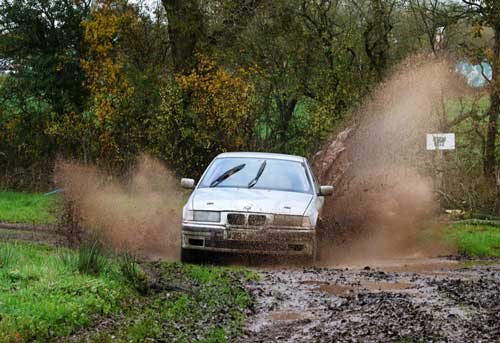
<point>189,304</point>
<point>18,207</point>
<point>475,240</point>
<point>44,298</point>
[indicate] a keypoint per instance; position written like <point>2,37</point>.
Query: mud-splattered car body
<point>253,203</point>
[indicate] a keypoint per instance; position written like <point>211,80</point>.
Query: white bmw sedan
<point>258,203</point>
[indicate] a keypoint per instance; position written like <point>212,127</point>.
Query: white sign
<point>440,141</point>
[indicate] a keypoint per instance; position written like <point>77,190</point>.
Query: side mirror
<point>187,183</point>
<point>325,190</point>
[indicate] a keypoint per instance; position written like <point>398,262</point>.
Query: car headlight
<point>204,216</point>
<point>289,220</point>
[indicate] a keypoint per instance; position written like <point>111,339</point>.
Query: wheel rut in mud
<point>442,303</point>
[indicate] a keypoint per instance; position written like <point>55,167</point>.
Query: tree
<point>186,28</point>
<point>376,33</point>
<point>204,113</point>
<point>305,54</point>
<point>487,12</point>
<point>433,16</point>
<point>226,19</point>
<point>41,43</point>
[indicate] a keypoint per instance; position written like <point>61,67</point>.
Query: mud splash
<point>139,214</point>
<point>382,173</point>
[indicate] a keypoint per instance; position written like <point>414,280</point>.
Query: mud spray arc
<point>380,168</point>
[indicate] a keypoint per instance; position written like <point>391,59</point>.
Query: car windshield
<point>258,173</point>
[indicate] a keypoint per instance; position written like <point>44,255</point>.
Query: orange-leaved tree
<point>203,113</point>
<point>107,83</point>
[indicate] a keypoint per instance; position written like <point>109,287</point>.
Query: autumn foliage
<point>206,112</point>
<point>107,84</point>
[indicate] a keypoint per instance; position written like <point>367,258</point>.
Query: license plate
<point>237,236</point>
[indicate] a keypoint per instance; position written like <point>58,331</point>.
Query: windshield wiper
<point>259,173</point>
<point>227,174</point>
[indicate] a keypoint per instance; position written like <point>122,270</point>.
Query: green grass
<point>18,207</point>
<point>44,298</point>
<point>475,240</point>
<point>212,309</point>
<point>455,107</point>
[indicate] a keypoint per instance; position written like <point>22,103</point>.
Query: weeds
<point>133,273</point>
<point>6,255</point>
<point>69,260</point>
<point>91,258</point>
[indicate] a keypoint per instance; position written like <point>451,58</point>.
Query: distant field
<point>475,240</point>
<point>18,207</point>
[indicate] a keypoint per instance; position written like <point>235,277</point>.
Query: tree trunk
<point>493,112</point>
<point>498,191</point>
<point>286,109</point>
<point>185,30</point>
<point>376,36</point>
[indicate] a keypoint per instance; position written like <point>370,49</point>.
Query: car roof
<point>262,155</point>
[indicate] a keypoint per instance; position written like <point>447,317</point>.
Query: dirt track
<point>429,301</point>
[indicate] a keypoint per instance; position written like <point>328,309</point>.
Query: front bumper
<point>266,240</point>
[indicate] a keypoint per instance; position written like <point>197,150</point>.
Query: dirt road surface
<point>405,301</point>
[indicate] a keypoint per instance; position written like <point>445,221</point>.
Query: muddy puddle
<point>289,316</point>
<point>434,300</point>
<point>348,290</point>
<point>409,265</point>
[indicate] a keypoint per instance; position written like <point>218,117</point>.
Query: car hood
<point>250,200</point>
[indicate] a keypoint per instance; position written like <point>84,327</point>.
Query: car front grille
<point>236,219</point>
<point>256,220</point>
<point>244,219</point>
